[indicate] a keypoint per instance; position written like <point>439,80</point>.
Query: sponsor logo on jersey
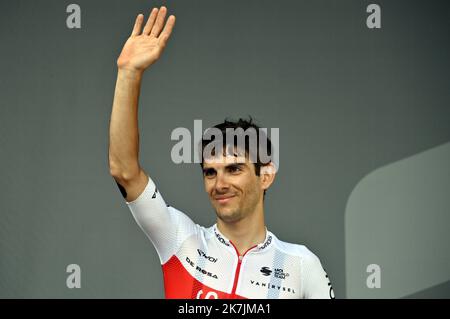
<point>268,285</point>
<point>277,272</point>
<point>267,243</point>
<point>221,239</point>
<point>199,269</point>
<point>331,291</point>
<point>266,271</point>
<point>202,254</point>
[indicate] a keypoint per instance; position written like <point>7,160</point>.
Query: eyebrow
<point>239,165</point>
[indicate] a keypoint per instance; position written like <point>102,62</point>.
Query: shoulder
<point>297,250</point>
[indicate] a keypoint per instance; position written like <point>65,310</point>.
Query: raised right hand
<point>142,50</point>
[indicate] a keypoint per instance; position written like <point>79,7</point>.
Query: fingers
<point>137,25</point>
<point>159,22</point>
<point>165,34</point>
<point>154,24</point>
<point>150,22</point>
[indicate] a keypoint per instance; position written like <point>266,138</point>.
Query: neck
<point>245,233</point>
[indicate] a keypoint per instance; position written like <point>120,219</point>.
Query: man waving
<point>237,257</point>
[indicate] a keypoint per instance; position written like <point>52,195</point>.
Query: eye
<point>234,169</point>
<point>209,172</point>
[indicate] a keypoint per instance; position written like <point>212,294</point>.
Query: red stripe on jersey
<point>179,284</point>
<point>238,270</point>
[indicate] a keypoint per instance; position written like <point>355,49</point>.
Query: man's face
<point>232,186</point>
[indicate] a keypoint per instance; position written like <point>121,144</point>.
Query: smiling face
<point>233,187</point>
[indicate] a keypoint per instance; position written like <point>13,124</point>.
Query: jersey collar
<point>268,240</point>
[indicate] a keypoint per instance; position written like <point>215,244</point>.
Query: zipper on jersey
<point>238,269</point>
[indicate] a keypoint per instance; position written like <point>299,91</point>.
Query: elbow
<point>115,172</point>
<point>114,168</point>
<point>123,173</point>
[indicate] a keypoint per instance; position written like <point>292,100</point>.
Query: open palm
<point>143,49</point>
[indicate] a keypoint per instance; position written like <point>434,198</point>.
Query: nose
<point>221,183</point>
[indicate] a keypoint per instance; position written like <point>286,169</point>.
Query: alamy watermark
<point>73,20</point>
<point>74,279</point>
<point>374,279</point>
<point>248,144</point>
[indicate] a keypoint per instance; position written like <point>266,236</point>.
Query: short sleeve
<point>163,225</point>
<point>316,284</point>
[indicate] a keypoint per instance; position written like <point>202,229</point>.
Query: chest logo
<point>201,253</point>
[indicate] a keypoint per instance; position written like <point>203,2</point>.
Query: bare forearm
<point>143,48</point>
<point>123,130</point>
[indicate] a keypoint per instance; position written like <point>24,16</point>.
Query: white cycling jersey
<point>199,262</point>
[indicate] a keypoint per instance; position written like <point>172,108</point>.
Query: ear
<point>267,175</point>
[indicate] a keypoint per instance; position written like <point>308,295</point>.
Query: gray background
<point>347,100</point>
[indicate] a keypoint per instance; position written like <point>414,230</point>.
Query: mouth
<point>224,199</point>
